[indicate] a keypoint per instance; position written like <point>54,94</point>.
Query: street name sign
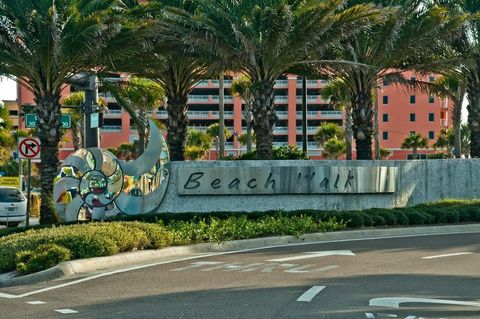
<point>31,120</point>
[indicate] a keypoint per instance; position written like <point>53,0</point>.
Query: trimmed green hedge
<point>35,250</point>
<point>39,248</point>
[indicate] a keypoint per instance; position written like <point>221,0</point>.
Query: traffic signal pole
<point>90,110</point>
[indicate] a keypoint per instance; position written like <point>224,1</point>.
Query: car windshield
<point>8,195</point>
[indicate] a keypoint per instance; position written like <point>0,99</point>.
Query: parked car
<point>13,206</point>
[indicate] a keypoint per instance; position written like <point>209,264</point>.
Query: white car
<point>13,206</point>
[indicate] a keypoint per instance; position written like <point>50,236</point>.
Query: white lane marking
<point>65,311</point>
<point>308,295</point>
<point>110,273</point>
<point>369,315</point>
<point>197,265</point>
<point>315,254</point>
<point>411,317</point>
<point>37,302</point>
<point>395,302</point>
<point>387,315</point>
<point>448,255</point>
<point>302,269</point>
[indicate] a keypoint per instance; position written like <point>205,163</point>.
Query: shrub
<point>43,257</point>
<point>402,218</point>
<point>415,218</point>
<point>378,220</point>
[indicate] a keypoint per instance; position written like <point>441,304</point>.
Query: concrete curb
<point>91,265</point>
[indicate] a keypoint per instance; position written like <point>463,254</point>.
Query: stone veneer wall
<point>417,182</point>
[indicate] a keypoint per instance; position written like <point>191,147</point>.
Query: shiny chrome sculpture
<point>93,184</point>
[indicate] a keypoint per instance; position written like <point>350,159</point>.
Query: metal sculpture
<point>93,184</point>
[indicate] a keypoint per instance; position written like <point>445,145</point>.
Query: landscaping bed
<point>38,248</point>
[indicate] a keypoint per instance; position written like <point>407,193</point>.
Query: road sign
<point>31,120</point>
<point>29,148</point>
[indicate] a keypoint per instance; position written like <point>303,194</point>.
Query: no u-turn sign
<point>29,148</point>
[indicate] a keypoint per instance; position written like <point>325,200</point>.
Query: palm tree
<point>414,142</point>
<point>242,87</point>
<point>198,143</point>
<point>44,43</point>
<point>402,42</point>
<point>337,92</point>
<point>266,39</point>
<point>138,97</point>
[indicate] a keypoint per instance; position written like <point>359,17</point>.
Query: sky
<point>8,89</point>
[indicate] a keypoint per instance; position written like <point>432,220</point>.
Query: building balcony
<point>322,115</point>
<point>310,145</point>
<point>280,130</point>
<point>281,84</point>
<point>281,99</point>
<point>311,83</point>
<point>282,114</point>
<point>313,99</point>
<point>311,130</point>
<point>112,114</point>
<point>444,123</point>
<point>208,99</point>
<point>111,129</point>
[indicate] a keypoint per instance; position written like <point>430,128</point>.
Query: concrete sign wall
<point>285,180</point>
<point>224,185</point>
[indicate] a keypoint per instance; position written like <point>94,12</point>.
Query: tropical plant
<point>385,153</point>
<point>403,41</point>
<point>214,132</point>
<point>266,39</point>
<point>414,142</point>
<point>198,143</point>
<point>138,97</point>
<point>337,93</point>
<point>445,140</point>
<point>333,148</point>
<point>327,131</point>
<point>76,100</point>
<point>7,142</point>
<point>242,87</point>
<point>452,87</point>
<point>44,43</point>
<point>246,138</point>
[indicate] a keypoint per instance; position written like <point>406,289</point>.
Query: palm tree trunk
<point>473,94</point>
<point>76,137</point>
<point>457,123</point>
<point>142,131</point>
<point>348,133</point>
<point>177,125</point>
<point>249,136</point>
<point>49,132</point>
<point>362,116</point>
<point>264,118</point>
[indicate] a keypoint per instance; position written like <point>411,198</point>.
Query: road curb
<point>98,264</point>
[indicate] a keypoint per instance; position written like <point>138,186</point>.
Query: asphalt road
<point>338,280</point>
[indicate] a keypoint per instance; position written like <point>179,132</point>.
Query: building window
<point>431,78</point>
<point>413,78</point>
<point>385,82</point>
<point>412,132</point>
<point>385,99</point>
<point>431,135</point>
<point>431,117</point>
<point>431,99</point>
<point>385,117</point>
<point>412,117</point>
<point>385,136</point>
<point>412,99</point>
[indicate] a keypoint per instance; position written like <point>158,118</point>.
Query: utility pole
<point>88,83</point>
<point>304,115</point>
<point>221,112</point>
<point>377,141</point>
<point>91,115</point>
